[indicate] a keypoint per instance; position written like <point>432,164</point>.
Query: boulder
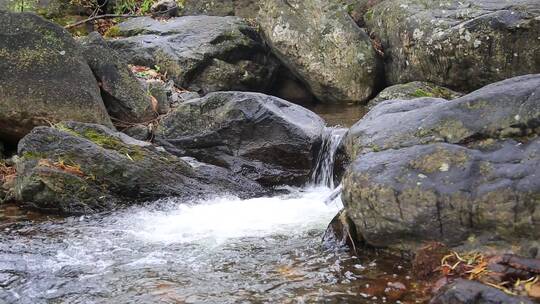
<point>445,192</point>
<point>200,53</point>
<point>471,292</point>
<point>264,138</point>
<point>322,45</point>
<point>459,44</point>
<point>44,78</point>
<point>412,90</point>
<point>124,97</point>
<point>241,8</point>
<point>505,109</point>
<point>431,169</point>
<point>78,168</point>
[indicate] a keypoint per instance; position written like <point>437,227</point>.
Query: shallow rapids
<point>223,250</point>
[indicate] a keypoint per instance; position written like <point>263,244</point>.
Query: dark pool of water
<point>344,115</point>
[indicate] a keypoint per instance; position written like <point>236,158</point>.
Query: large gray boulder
<point>503,109</point>
<point>462,45</point>
<point>444,192</point>
<point>264,138</point>
<point>200,53</point>
<point>78,168</point>
<point>44,79</point>
<point>432,169</point>
<point>322,45</point>
<point>124,97</point>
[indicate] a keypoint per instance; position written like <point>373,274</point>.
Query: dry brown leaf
<point>154,103</point>
<point>73,169</point>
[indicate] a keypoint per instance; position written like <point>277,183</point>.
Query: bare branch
<point>106,16</point>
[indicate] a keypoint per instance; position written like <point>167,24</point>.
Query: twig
<point>106,16</point>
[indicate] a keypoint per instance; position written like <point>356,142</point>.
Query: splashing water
<point>323,174</point>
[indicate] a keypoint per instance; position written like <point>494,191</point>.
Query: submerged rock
<point>462,45</point>
<point>200,53</point>
<point>44,79</point>
<point>471,292</point>
<point>412,90</point>
<point>341,233</point>
<point>122,93</point>
<point>323,46</point>
<point>264,138</point>
<point>79,168</point>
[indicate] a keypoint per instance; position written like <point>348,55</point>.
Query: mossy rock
<point>506,109</point>
<point>412,90</point>
<point>446,193</point>
<point>200,53</point>
<point>44,79</point>
<point>77,168</point>
<point>334,57</point>
<point>459,44</point>
<point>123,94</point>
<point>430,169</point>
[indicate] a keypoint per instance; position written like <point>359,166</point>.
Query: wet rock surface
<point>432,169</point>
<point>334,57</point>
<point>508,108</point>
<point>264,138</point>
<point>398,198</point>
<point>341,233</point>
<point>471,292</point>
<point>80,168</point>
<point>45,78</point>
<point>462,45</point>
<point>122,93</point>
<point>200,53</point>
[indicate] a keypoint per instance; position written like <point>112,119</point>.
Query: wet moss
<point>62,127</point>
<point>113,31</point>
<point>29,57</point>
<point>368,15</point>
<point>169,65</point>
<point>452,130</point>
<point>108,142</point>
<point>440,160</point>
<point>134,153</point>
<point>421,93</point>
<point>33,155</point>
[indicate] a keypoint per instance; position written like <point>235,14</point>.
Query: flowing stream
<point>221,250</point>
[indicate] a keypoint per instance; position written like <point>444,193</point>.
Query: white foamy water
<point>238,247</point>
<point>222,218</point>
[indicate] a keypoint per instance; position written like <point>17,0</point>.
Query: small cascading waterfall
<point>323,173</point>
